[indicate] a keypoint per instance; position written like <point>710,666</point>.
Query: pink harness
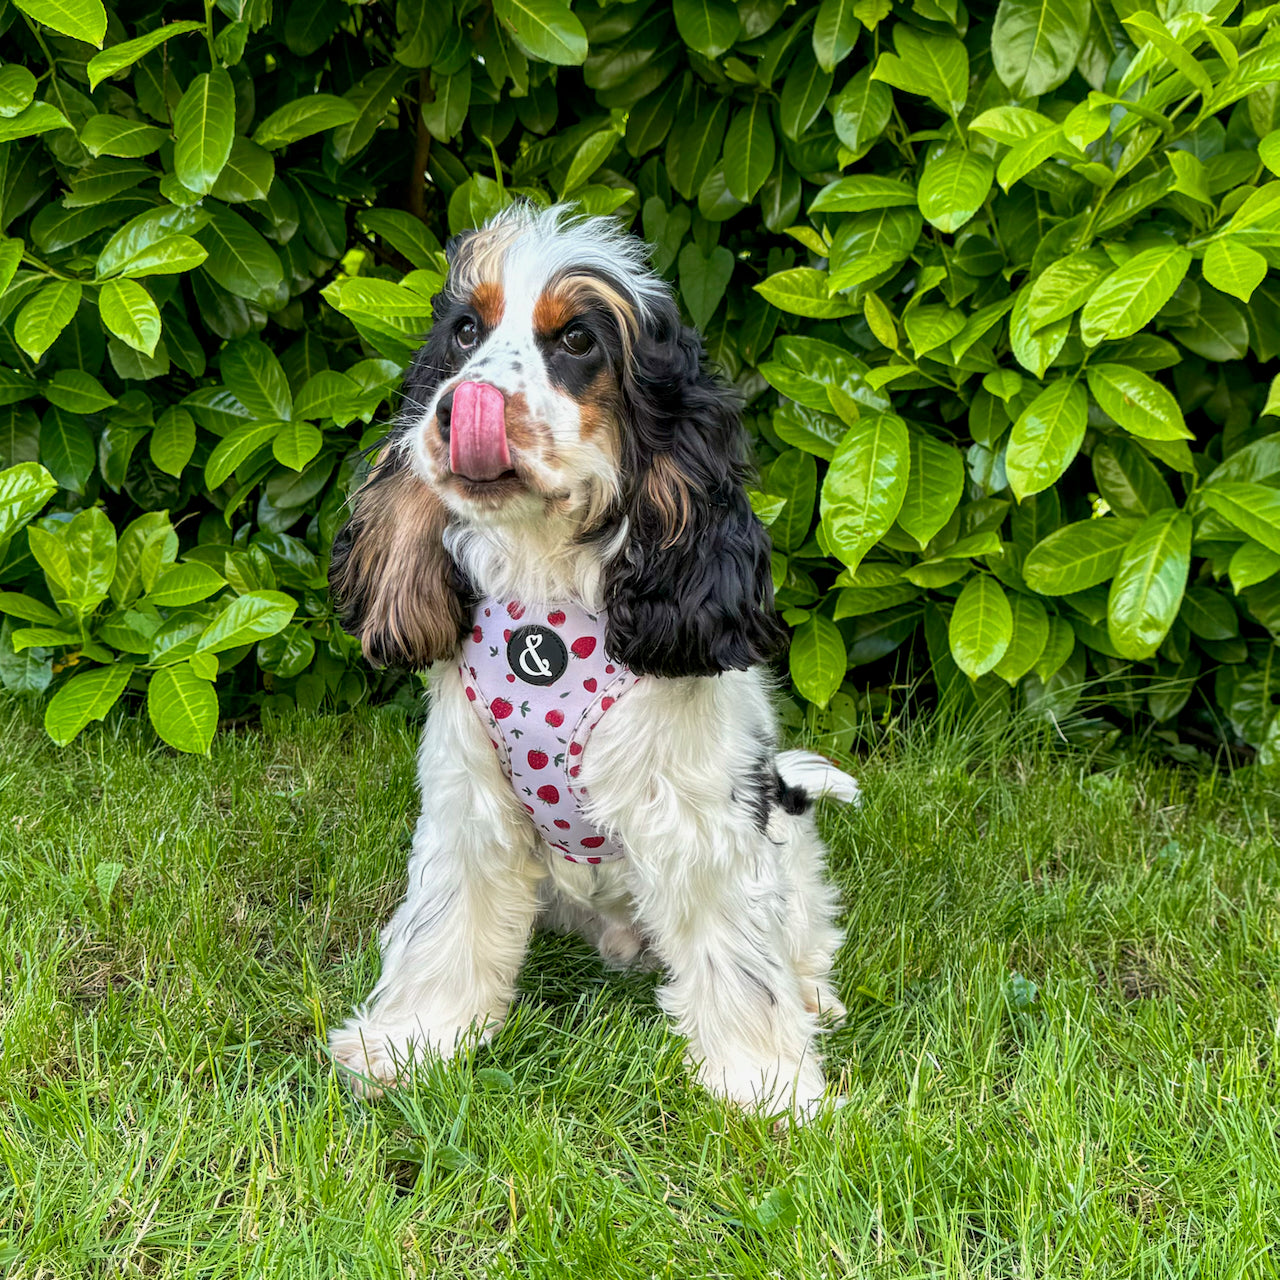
<point>540,685</point>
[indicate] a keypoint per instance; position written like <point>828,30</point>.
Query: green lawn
<point>1064,992</point>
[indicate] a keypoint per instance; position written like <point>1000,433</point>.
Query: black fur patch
<point>700,602</point>
<point>768,790</point>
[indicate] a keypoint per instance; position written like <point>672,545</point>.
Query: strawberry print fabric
<point>540,681</point>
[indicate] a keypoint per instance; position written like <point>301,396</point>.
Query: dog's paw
<point>379,1056</point>
<point>620,945</point>
<point>792,1090</point>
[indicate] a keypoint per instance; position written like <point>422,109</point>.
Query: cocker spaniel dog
<point>558,528</point>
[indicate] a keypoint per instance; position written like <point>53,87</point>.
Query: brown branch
<point>421,150</point>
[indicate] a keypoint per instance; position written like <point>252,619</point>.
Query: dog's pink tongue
<point>478,432</point>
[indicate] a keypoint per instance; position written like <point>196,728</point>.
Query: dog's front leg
<point>677,773</point>
<point>453,948</point>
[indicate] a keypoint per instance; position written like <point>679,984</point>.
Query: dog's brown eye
<point>576,340</point>
<point>466,334</point>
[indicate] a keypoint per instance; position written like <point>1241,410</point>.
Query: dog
<point>558,528</point>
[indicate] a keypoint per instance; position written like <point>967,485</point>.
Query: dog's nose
<point>444,412</point>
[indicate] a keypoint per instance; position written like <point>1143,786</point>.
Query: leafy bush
<point>994,283</point>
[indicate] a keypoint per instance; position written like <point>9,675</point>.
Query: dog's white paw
<point>378,1056</point>
<point>794,1089</point>
<point>620,945</point>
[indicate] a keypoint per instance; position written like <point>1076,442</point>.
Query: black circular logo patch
<point>537,655</point>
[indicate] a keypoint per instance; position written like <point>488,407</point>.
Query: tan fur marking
<point>489,301</point>
<point>667,488</point>
<point>398,558</point>
<point>571,295</point>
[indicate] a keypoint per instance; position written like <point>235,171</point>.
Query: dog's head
<point>558,383</point>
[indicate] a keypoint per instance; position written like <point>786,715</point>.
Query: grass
<point>1064,991</point>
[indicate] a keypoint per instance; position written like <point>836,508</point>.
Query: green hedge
<point>995,284</point>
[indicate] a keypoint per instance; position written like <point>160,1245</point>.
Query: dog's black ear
<point>393,582</point>
<point>690,591</point>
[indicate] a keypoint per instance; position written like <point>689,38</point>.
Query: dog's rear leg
<point>453,948</point>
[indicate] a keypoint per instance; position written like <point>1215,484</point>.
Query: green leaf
<point>10,257</point>
<point>248,618</point>
<point>709,26</point>
<point>793,476</point>
<point>865,485</point>
<point>1128,479</point>
<point>1254,509</point>
<point>296,444</point>
<point>17,605</point>
<point>818,659</point>
<point>1027,643</point>
<point>24,489</point>
<point>37,118</point>
<point>128,311</point>
<point>1234,268</point>
<point>188,583</point>
<point>1252,563</point>
<point>834,32</point>
<point>310,114</point>
<point>257,379</point>
<point>204,126</point>
<point>240,260</point>
<point>116,136</point>
<point>235,447</point>
<point>981,626</point>
<point>935,483</point>
<point>83,559</point>
<point>17,90</point>
<point>860,111</point>
<point>183,708</point>
<point>934,66</point>
<point>145,547</point>
<point>1035,43</point>
<point>749,149</point>
<point>125,54</point>
<point>1064,286</point>
<point>589,156</point>
<point>545,29</point>
<point>703,281</point>
<point>1046,437</point>
<point>1137,402</point>
<point>80,19</point>
<point>44,315</point>
<point>862,192</point>
<point>67,449</point>
<point>422,25</point>
<point>173,441</point>
<point>694,145</point>
<point>1209,614</point>
<point>404,233</point>
<point>953,187</point>
<point>1146,592</point>
<point>247,174</point>
<point>802,291</point>
<point>86,696</point>
<point>445,114</point>
<point>1035,350</point>
<point>871,244</point>
<point>77,392</point>
<point>804,93</point>
<point>1128,299</point>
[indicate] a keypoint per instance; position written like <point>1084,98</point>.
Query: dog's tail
<point>818,776</point>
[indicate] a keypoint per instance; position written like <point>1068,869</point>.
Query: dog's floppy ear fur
<point>690,590</point>
<point>392,580</point>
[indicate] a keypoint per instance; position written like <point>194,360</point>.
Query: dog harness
<point>540,684</point>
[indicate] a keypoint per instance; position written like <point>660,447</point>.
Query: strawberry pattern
<point>540,731</point>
